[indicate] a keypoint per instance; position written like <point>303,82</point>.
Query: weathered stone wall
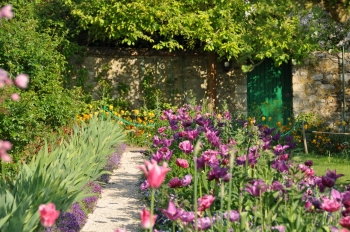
<point>317,87</point>
<point>175,74</point>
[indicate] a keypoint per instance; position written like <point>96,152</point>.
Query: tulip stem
<point>152,207</point>
<point>195,194</point>
<point>3,170</point>
<point>173,226</point>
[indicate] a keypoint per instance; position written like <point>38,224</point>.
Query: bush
<point>45,105</point>
<point>58,176</point>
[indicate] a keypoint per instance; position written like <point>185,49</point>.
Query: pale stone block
<point>241,89</point>
<point>317,77</point>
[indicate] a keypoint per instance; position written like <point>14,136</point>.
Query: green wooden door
<point>270,93</point>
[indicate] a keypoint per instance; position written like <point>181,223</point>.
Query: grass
<point>322,163</point>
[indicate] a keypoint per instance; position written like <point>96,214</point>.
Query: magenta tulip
<point>155,174</point>
<point>186,147</point>
<point>205,202</point>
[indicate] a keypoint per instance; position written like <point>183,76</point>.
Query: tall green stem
<point>195,195</point>
<point>230,190</point>
<point>261,212</point>
<point>3,170</point>
<point>152,207</point>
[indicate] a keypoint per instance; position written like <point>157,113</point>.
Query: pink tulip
<point>155,174</point>
<point>146,221</point>
<point>4,147</point>
<point>15,97</point>
<point>182,163</point>
<point>4,156</point>
<point>205,202</point>
<point>22,81</point>
<point>345,222</point>
<point>6,12</point>
<point>330,205</point>
<point>48,214</point>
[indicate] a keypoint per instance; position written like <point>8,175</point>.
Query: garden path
<point>121,201</point>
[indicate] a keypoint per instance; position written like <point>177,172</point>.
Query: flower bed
<point>233,174</point>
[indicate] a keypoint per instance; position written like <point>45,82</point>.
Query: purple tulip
<point>187,217</point>
<point>204,223</point>
<point>192,134</point>
<point>175,183</point>
<point>186,180</point>
<point>217,173</point>
<point>234,216</point>
<point>213,138</point>
<point>279,149</point>
<point>279,165</point>
<point>156,141</point>
<point>167,142</point>
<point>186,147</point>
<point>308,163</point>
<point>256,187</point>
<point>172,212</point>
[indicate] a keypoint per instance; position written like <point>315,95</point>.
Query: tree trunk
<point>211,77</point>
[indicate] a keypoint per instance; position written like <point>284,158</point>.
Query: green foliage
<point>234,29</point>
<point>45,105</point>
<point>151,94</point>
<point>59,176</point>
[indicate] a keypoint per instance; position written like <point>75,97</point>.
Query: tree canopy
<point>239,29</point>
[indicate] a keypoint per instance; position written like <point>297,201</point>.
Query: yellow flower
<point>136,112</point>
<point>90,106</point>
<point>110,107</point>
<point>122,112</point>
<point>269,119</point>
<point>344,123</point>
<point>219,116</point>
<point>96,113</point>
<point>263,118</point>
<point>288,119</point>
<point>279,124</point>
<point>305,126</point>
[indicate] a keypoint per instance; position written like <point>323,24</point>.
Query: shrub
<point>58,176</point>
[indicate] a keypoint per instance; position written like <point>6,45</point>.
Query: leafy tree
<point>239,29</point>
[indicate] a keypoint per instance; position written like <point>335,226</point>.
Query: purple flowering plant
<point>240,167</point>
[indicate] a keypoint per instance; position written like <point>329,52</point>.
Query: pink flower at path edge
<point>155,174</point>
<point>120,230</point>
<point>4,147</point>
<point>22,81</point>
<point>146,219</point>
<point>6,12</point>
<point>48,214</point>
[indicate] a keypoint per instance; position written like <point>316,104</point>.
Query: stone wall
<point>175,74</point>
<point>317,87</point>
